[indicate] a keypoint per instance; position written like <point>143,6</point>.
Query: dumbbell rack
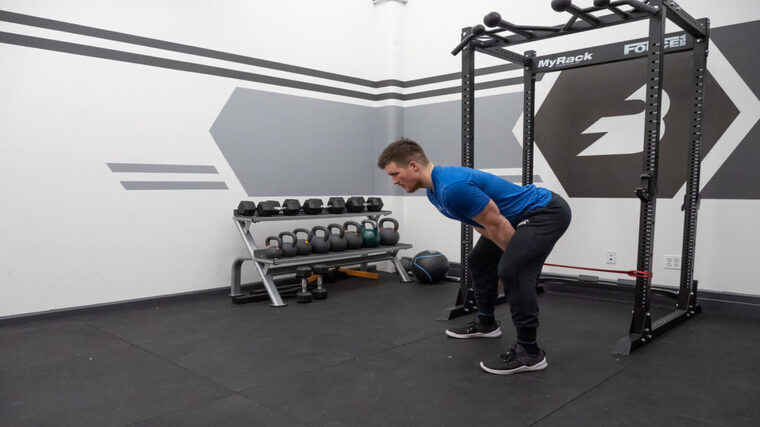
<point>268,267</point>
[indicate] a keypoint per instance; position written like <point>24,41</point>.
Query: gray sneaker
<point>475,329</point>
<point>514,361</point>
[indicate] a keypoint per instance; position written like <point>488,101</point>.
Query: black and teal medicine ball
<point>430,266</point>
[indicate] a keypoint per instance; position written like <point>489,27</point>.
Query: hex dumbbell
<point>320,270</point>
<point>303,272</point>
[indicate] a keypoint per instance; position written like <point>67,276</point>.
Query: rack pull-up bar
<point>493,19</point>
<point>476,31</point>
<point>605,4</point>
<point>569,7</point>
<point>641,7</point>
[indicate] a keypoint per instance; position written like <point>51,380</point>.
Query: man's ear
<point>414,165</point>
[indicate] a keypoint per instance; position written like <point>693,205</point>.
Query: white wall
<point>71,236</point>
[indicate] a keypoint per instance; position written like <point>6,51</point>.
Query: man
<point>519,227</point>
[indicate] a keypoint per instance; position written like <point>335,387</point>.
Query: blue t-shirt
<point>462,193</point>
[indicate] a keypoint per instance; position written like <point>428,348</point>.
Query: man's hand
<point>496,227</point>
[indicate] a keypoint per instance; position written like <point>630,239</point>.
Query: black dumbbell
<point>268,208</point>
<point>246,208</point>
<point>291,207</point>
<point>303,272</point>
<point>336,205</point>
<point>273,251</point>
<point>320,270</point>
<point>388,236</point>
<point>374,204</point>
<point>312,206</point>
<point>357,204</point>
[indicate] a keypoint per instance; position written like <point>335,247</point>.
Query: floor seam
<point>673,413</point>
<point>173,363</point>
<point>179,410</point>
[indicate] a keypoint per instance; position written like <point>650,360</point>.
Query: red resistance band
<point>633,273</point>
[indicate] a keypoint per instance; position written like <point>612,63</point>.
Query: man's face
<point>406,177</point>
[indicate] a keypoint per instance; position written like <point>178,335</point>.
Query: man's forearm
<point>499,235</point>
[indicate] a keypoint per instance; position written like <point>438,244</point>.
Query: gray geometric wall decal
<point>582,96</point>
<point>174,185</point>
<point>280,145</point>
<point>160,168</point>
<point>739,176</point>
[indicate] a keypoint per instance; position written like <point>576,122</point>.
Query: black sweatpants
<point>519,266</point>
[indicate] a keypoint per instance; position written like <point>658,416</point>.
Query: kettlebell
<point>388,236</point>
<point>303,246</point>
<point>319,245</point>
<point>337,241</point>
<point>353,238</point>
<point>273,251</point>
<point>369,235</point>
<point>288,248</point>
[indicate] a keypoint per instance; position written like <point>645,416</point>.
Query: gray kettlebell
<point>353,238</point>
<point>337,241</point>
<point>288,248</point>
<point>273,251</point>
<point>319,245</point>
<point>303,246</point>
<point>388,236</point>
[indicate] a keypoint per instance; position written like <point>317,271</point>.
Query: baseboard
<point>728,303</point>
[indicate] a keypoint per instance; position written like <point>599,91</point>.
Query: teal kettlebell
<point>370,236</point>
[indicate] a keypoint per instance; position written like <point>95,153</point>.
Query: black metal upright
<point>641,323</point>
<point>529,114</point>
<point>687,291</point>
<point>468,154</point>
<point>466,298</point>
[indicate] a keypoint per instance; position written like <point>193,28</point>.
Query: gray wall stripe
<point>134,58</point>
<point>155,168</point>
<point>174,185</point>
<point>174,47</point>
<point>446,77</point>
<point>116,55</point>
<point>68,27</point>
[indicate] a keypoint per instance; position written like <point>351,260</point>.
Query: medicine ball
<point>430,266</point>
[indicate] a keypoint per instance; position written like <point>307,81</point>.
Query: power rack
<point>643,328</point>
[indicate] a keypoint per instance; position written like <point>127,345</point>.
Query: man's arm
<point>496,227</point>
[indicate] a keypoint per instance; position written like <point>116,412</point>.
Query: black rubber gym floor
<point>372,354</point>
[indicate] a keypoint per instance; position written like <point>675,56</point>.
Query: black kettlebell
<point>353,238</point>
<point>369,234</point>
<point>337,241</point>
<point>303,246</point>
<point>319,245</point>
<point>388,236</point>
<point>288,248</point>
<point>273,251</point>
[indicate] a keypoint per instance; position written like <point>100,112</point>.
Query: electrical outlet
<point>673,262</point>
<point>611,257</point>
